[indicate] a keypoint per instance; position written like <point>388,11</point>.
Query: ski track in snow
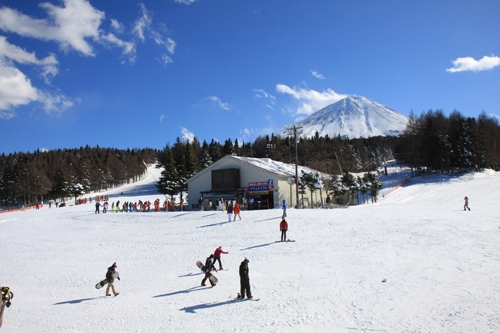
<point>413,262</point>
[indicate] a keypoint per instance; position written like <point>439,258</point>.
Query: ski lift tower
<point>295,131</point>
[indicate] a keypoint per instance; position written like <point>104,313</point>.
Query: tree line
<point>431,142</point>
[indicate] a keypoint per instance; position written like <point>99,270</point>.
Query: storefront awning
<point>220,195</point>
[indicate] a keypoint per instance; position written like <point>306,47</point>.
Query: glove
<point>118,278</point>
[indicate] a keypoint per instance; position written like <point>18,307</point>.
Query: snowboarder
<point>110,276</point>
<point>7,296</point>
<point>244,280</point>
<point>284,208</point>
<point>209,265</point>
<point>236,211</point>
<point>230,212</point>
<point>283,228</point>
<point>217,254</point>
<point>328,201</point>
<point>466,203</point>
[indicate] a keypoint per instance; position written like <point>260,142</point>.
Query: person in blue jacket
<point>284,209</point>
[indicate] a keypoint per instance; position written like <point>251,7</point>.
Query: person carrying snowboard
<point>209,265</point>
<point>466,203</point>
<point>283,228</point>
<point>217,254</point>
<point>110,276</point>
<point>244,280</point>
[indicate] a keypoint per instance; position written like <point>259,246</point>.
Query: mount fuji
<point>354,117</point>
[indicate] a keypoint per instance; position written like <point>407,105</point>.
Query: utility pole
<point>295,131</point>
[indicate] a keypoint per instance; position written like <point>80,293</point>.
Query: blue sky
<point>130,74</point>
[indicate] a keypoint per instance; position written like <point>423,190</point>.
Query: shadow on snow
<point>192,309</point>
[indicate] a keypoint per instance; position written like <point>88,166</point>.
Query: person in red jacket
<point>217,254</point>
<point>283,228</point>
<point>236,211</point>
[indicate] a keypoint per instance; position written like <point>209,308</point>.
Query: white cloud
<point>70,26</point>
<point>470,64</point>
<point>54,103</point>
<point>168,43</point>
<point>270,100</point>
<point>117,26</point>
<point>186,2</point>
<point>17,54</point>
<point>162,117</point>
<point>129,48</point>
<point>310,100</point>
<point>142,23</point>
<point>317,75</point>
<point>187,135</point>
<point>165,60</point>
<point>217,100</point>
<point>15,90</point>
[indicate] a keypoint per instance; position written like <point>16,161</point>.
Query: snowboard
<point>104,282</point>
<point>212,277</point>
<point>247,299</point>
<point>288,240</point>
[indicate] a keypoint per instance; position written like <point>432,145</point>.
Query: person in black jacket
<point>110,276</point>
<point>244,280</point>
<point>209,265</point>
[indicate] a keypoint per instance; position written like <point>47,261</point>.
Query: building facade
<point>255,183</point>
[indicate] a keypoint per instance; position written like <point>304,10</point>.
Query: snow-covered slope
<point>413,262</point>
<point>354,117</point>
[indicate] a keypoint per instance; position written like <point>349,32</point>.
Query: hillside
<point>413,262</point>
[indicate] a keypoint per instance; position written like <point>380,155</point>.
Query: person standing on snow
<point>209,265</point>
<point>284,208</point>
<point>217,254</point>
<point>283,228</point>
<point>236,211</point>
<point>466,203</point>
<point>110,276</point>
<point>230,212</point>
<point>244,280</point>
<point>97,205</point>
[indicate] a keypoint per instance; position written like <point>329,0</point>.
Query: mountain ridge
<point>354,117</point>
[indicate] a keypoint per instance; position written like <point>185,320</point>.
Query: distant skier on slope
<point>283,228</point>
<point>217,254</point>
<point>466,203</point>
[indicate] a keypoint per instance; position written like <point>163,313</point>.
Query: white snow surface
<point>354,117</point>
<point>412,262</point>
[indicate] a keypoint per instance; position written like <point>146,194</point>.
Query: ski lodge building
<point>255,183</point>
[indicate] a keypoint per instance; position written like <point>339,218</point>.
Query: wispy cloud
<point>219,103</point>
<point>162,117</point>
<point>470,64</point>
<point>186,2</point>
<point>187,135</point>
<point>269,99</point>
<point>317,74</point>
<point>310,100</point>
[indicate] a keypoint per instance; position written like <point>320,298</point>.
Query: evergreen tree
<point>169,178</point>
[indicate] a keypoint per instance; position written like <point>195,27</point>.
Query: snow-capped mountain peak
<point>354,117</point>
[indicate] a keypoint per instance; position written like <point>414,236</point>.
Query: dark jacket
<point>244,271</point>
<point>209,265</point>
<point>230,209</point>
<point>109,274</point>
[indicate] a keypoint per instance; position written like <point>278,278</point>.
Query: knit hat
<point>246,260</point>
<point>114,265</point>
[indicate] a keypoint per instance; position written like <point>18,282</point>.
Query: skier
<point>466,203</point>
<point>209,265</point>
<point>284,208</point>
<point>217,254</point>
<point>97,205</point>
<point>283,228</point>
<point>230,212</point>
<point>110,276</point>
<point>105,207</point>
<point>244,280</point>
<point>236,211</point>
<point>7,296</point>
